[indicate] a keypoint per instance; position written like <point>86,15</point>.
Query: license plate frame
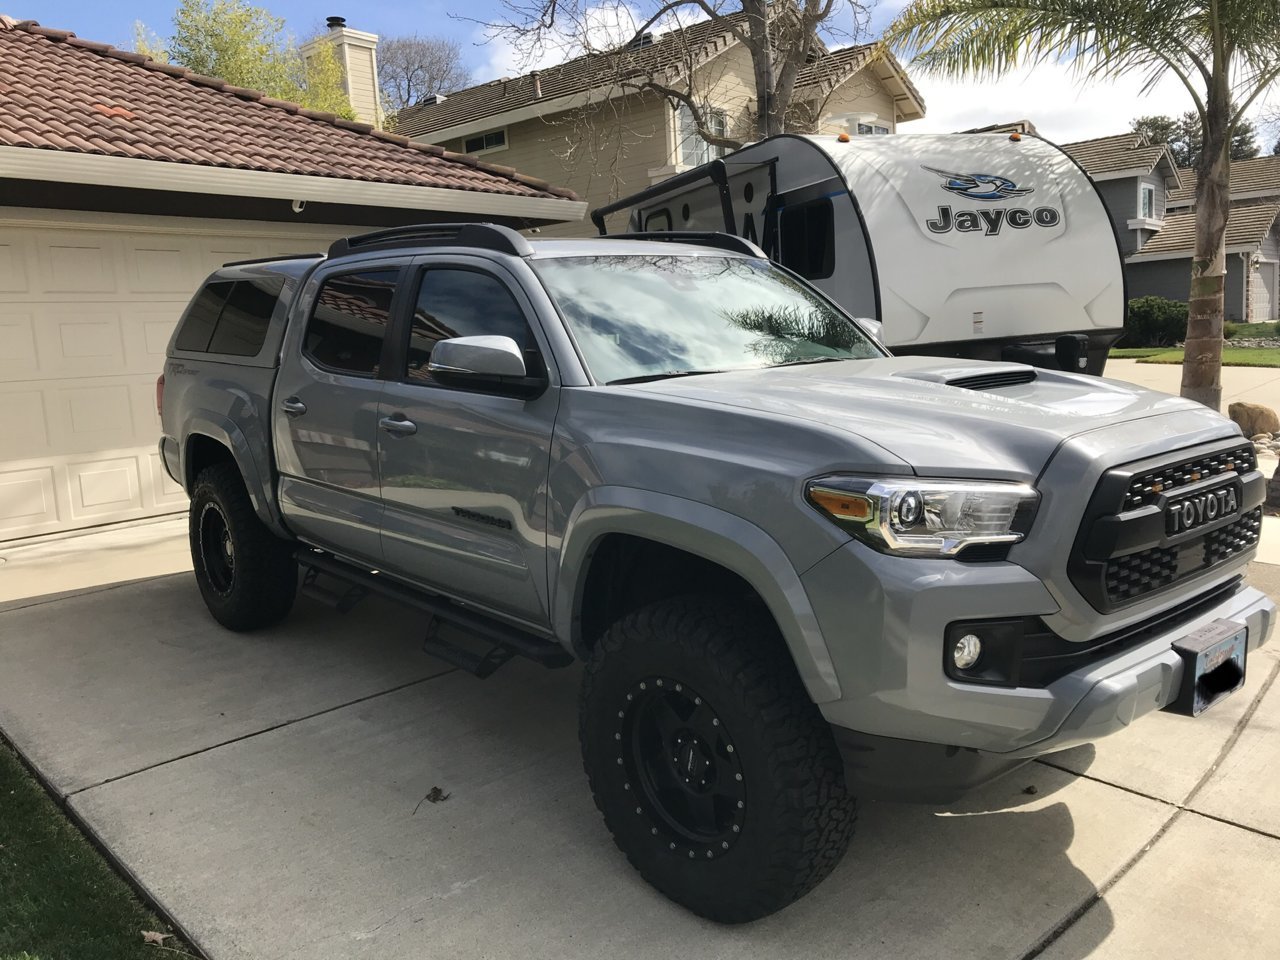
<point>1214,664</point>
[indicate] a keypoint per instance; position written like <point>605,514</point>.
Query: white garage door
<point>87,304</point>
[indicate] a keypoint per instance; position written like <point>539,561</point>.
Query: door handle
<point>398,425</point>
<point>293,406</point>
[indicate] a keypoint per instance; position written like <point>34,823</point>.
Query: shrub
<point>1278,328</point>
<point>1155,322</point>
<point>1229,330</point>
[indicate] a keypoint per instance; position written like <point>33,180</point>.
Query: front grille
<point>991,381</point>
<point>1147,487</point>
<point>1241,535</point>
<point>1140,573</point>
<point>1125,553</point>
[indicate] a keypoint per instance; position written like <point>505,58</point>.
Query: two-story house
<point>587,124</point>
<point>1152,204</point>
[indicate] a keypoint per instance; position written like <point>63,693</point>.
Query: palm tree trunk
<point>1202,359</point>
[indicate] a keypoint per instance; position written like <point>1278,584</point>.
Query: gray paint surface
<point>1171,279</point>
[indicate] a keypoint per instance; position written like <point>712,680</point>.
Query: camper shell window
<point>807,237</point>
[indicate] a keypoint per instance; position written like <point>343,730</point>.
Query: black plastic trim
<point>483,236</point>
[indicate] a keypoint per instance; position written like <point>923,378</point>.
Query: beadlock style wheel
<point>682,765</point>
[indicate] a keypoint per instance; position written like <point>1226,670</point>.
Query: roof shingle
<point>1247,226</point>
<point>1125,151</point>
<point>58,92</point>
<point>1261,174</point>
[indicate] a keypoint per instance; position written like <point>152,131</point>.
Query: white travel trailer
<point>987,246</point>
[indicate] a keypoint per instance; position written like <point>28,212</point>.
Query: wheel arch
<point>213,438</point>
<point>720,540</point>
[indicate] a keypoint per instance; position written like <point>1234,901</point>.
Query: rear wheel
<point>715,772</point>
<point>247,575</point>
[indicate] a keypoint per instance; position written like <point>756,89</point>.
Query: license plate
<point>1200,508</point>
<point>1213,664</point>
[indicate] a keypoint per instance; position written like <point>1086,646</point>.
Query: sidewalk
<point>1253,384</point>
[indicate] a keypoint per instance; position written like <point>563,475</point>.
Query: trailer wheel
<point>716,774</point>
<point>247,575</point>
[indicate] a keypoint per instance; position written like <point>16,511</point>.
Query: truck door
<point>464,469</point>
<point>326,416</point>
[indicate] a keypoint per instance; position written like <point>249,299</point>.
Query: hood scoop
<point>988,376</point>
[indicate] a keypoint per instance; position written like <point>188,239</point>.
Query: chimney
<point>357,53</point>
<point>537,85</point>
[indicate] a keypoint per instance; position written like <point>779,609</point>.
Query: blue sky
<point>1061,108</point>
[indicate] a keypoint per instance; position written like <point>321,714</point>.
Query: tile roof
<point>708,38</point>
<point>1247,176</point>
<point>1247,226</point>
<point>668,52</point>
<point>1125,151</point>
<point>58,92</point>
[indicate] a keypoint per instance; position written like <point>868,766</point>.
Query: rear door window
<point>349,322</point>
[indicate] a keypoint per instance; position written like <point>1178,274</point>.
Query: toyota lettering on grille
<point>1196,511</point>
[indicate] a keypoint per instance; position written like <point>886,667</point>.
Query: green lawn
<point>1256,329</point>
<point>59,899</point>
<point>1231,356</point>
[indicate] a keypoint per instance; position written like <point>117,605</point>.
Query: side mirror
<point>477,357</point>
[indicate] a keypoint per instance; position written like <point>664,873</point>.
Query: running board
<point>505,640</point>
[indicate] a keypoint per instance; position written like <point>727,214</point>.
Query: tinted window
<point>349,321</point>
<point>463,303</point>
<point>808,237</point>
<point>246,315</point>
<point>202,317</point>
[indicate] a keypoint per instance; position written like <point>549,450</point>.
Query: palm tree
<point>1225,52</point>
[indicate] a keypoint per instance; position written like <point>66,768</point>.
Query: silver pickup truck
<point>798,570</point>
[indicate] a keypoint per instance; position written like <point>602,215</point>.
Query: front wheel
<point>247,575</point>
<point>715,772</point>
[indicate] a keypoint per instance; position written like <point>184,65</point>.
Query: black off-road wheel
<point>716,774</point>
<point>247,575</point>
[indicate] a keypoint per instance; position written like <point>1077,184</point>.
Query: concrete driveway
<point>269,791</point>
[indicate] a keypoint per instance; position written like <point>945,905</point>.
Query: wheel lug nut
<point>679,687</point>
<point>708,854</point>
<point>740,804</point>
<point>638,810</point>
<point>724,844</point>
<point>690,854</point>
<point>642,686</point>
<point>715,722</point>
<point>729,747</point>
<point>736,828</point>
<point>671,846</point>
<point>659,683</point>
<point>737,776</point>
<point>654,831</point>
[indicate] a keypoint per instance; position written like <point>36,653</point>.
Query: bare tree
<point>412,68</point>
<point>782,37</point>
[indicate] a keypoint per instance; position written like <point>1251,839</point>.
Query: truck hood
<point>947,417</point>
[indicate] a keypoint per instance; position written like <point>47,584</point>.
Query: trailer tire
<point>247,575</point>
<point>715,772</point>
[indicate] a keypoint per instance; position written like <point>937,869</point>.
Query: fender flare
<point>225,431</point>
<point>715,535</point>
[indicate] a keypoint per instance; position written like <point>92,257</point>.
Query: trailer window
<point>807,235</point>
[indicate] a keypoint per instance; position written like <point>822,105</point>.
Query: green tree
<point>247,46</point>
<point>1183,136</point>
<point>1225,53</point>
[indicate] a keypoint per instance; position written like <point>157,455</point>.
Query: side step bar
<point>505,640</point>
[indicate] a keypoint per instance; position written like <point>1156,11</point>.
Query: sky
<point>1049,96</point>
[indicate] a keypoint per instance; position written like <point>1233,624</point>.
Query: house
<point>586,123</point>
<point>123,182</point>
<point>1152,204</point>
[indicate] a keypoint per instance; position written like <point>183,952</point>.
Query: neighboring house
<point>123,183</point>
<point>1152,204</point>
<point>584,123</point>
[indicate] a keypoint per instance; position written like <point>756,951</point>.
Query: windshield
<point>641,317</point>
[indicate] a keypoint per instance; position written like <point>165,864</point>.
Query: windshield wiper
<point>670,374</point>
<point>796,363</point>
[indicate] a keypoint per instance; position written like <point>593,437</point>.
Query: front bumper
<point>884,619</point>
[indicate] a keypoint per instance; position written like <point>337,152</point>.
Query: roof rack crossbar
<point>487,236</point>
<point>703,238</point>
<point>276,259</point>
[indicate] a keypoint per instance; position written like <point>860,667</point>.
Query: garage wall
<point>87,305</point>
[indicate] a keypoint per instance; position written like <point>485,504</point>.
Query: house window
<point>1148,204</point>
<point>485,142</point>
<point>872,128</point>
<point>693,149</point>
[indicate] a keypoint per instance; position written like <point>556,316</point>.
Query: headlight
<point>926,518</point>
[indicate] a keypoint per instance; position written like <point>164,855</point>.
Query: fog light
<point>967,652</point>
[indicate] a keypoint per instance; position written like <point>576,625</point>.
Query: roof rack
<point>283,256</point>
<point>715,170</point>
<point>703,238</point>
<point>486,236</point>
